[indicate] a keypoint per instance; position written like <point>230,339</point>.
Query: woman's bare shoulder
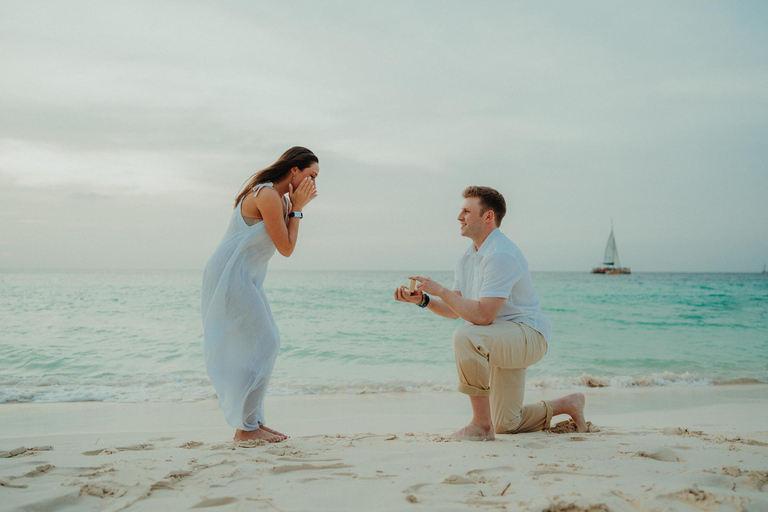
<point>253,203</point>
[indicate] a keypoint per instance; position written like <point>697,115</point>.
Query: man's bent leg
<point>474,380</point>
<point>508,413</point>
<point>471,361</point>
<point>522,348</point>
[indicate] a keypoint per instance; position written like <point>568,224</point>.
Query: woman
<point>241,339</point>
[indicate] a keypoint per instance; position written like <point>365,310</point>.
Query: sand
<point>672,448</point>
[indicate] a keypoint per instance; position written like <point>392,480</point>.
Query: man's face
<point>471,218</point>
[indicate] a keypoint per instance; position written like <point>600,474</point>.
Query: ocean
<point>134,336</point>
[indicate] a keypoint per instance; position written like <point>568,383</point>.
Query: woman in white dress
<point>241,340</point>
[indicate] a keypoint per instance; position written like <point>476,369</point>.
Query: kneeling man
<point>505,333</point>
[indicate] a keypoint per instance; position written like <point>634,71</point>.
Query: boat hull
<point>610,270</point>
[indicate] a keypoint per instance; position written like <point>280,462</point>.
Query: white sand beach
<point>666,448</point>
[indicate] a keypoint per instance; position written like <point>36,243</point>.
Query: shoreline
<point>375,411</point>
<point>671,448</point>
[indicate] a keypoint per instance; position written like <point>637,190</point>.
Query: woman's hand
<point>304,193</point>
<point>403,294</point>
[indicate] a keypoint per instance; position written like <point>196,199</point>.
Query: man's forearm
<point>468,309</point>
<point>438,307</point>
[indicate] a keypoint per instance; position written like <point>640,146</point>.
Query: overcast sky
<point>127,128</point>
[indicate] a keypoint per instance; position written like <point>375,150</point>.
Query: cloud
<point>578,113</point>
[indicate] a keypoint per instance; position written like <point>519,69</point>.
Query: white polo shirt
<point>499,269</point>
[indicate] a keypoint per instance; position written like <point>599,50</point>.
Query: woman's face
<point>310,172</point>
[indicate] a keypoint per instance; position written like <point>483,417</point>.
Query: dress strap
<point>260,186</point>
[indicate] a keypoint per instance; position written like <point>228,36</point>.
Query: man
<point>505,333</point>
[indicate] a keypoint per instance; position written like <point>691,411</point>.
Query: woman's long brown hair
<point>294,157</point>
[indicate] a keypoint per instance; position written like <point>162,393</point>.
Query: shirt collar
<point>485,247</point>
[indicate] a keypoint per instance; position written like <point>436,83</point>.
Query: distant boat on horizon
<point>611,263</point>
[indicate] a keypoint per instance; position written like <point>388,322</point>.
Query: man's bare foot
<point>573,406</point>
<point>474,432</point>
<point>260,433</point>
<point>274,432</point>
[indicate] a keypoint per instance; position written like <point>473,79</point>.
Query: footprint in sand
<point>191,444</point>
<point>39,470</point>
<point>458,480</point>
<point>491,475</point>
<point>109,451</point>
<point>534,445</point>
<point>753,479</point>
<point>103,451</point>
<point>101,491</point>
<point>215,502</point>
<point>663,455</point>
<point>234,445</point>
<point>302,467</point>
<point>707,500</point>
<point>22,450</point>
<point>287,451</point>
<point>561,506</point>
<point>415,488</point>
<point>137,447</point>
<point>4,483</point>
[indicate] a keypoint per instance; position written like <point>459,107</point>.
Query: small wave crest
<point>586,380</point>
<point>54,389</point>
<point>62,389</point>
<point>361,388</point>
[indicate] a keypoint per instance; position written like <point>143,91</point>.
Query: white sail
<point>610,251</point>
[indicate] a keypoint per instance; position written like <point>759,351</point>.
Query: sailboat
<point>611,263</point>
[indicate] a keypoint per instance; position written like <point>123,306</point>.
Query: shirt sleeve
<point>457,284</point>
<point>501,271</point>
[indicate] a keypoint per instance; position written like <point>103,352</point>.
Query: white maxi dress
<point>241,340</point>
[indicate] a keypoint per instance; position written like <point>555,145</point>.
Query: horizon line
<point>139,269</point>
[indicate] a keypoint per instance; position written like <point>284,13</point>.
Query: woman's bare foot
<point>474,432</point>
<point>573,406</point>
<point>274,432</point>
<point>260,433</point>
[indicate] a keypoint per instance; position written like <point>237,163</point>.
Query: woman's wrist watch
<point>298,215</point>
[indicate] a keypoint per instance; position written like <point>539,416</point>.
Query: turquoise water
<point>137,335</point>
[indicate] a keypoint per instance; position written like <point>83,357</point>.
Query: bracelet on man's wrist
<point>424,300</point>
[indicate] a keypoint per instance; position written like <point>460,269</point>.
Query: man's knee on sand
<point>507,425</point>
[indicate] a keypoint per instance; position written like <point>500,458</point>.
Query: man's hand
<point>436,306</point>
<point>426,285</point>
<point>403,294</point>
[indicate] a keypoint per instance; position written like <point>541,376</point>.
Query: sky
<point>127,129</point>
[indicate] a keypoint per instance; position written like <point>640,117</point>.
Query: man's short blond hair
<point>490,199</point>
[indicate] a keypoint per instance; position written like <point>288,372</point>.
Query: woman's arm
<point>271,207</point>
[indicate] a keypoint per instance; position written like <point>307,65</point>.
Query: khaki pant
<point>491,361</point>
